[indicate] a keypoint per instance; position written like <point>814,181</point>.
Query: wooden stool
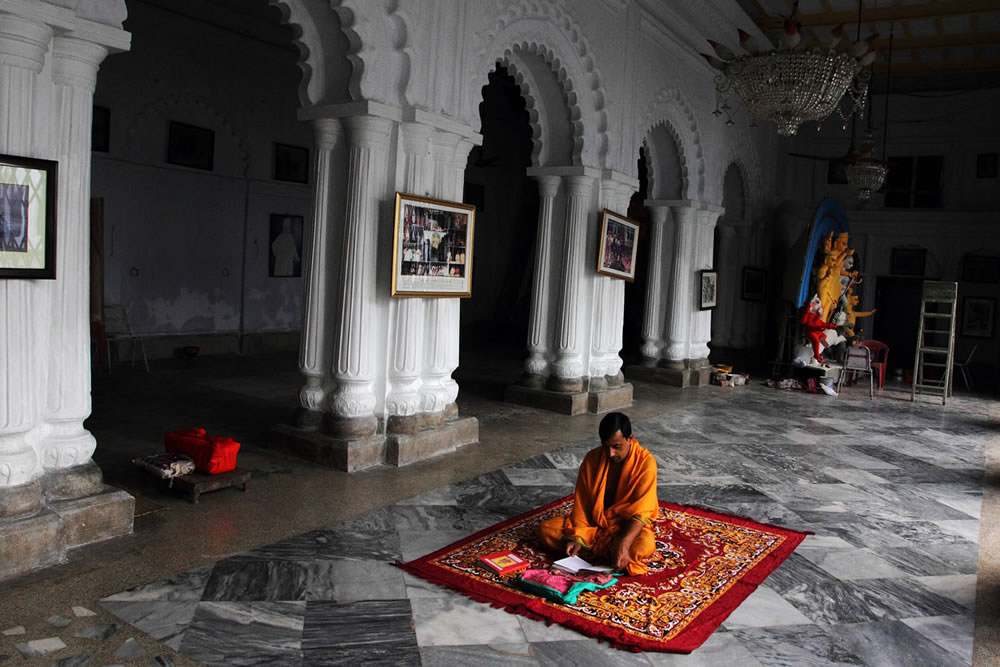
<point>198,483</point>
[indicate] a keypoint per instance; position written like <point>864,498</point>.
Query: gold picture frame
<point>432,247</point>
<point>619,246</point>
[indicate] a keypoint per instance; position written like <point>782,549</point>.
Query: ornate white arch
<point>671,109</point>
<point>745,156</point>
<point>545,30</point>
<point>313,26</point>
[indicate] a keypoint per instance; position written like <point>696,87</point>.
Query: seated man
<point>615,503</point>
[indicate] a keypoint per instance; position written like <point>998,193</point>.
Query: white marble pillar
<point>314,348</point>
<point>659,264</point>
<point>683,289</point>
<point>23,47</point>
<point>609,303</point>
<point>67,444</point>
<point>536,366</point>
<point>453,187</point>
<point>568,366</point>
<point>353,401</point>
<point>404,400</point>
<point>701,329</point>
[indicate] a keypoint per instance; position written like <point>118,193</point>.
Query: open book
<point>576,565</point>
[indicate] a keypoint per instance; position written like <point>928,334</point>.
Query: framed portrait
<point>754,284</point>
<point>708,289</point>
<point>619,243</point>
<point>980,269</point>
<point>285,246</point>
<point>432,247</point>
<point>908,261</point>
<point>978,313</point>
<point>191,146</point>
<point>291,163</point>
<point>27,217</point>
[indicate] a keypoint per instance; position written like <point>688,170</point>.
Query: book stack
<point>505,562</point>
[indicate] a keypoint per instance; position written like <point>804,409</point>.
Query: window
<point>914,182</point>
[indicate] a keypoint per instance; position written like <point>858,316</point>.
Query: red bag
<point>211,454</point>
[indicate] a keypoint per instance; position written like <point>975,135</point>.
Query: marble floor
<point>891,490</point>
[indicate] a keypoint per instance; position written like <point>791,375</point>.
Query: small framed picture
<point>619,244</point>
<point>978,314</point>
<point>754,284</point>
<point>27,217</point>
<point>191,146</point>
<point>285,248</point>
<point>908,261</point>
<point>291,163</point>
<point>708,289</point>
<point>432,247</point>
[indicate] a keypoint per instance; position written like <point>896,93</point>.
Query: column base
<point>76,482</point>
<point>613,398</point>
<point>310,420</point>
<point>43,539</point>
<point>564,385</point>
<point>563,402</point>
<point>683,373</point>
<point>406,448</point>
<point>341,453</point>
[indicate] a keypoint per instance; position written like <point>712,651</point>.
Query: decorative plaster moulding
<point>348,109</point>
<point>415,115</point>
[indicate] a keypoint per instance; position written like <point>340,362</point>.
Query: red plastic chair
<point>880,357</point>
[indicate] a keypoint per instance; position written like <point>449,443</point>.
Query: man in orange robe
<point>614,505</point>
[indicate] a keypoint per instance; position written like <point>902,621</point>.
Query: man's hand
<point>572,548</point>
<point>623,556</point>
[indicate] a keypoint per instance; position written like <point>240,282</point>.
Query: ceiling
<point>936,44</point>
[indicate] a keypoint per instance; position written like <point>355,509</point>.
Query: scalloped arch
<point>545,30</point>
<point>651,154</point>
<point>746,158</point>
<point>671,109</point>
<point>162,104</point>
<point>317,51</point>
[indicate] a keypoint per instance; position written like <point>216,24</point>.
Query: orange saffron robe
<point>597,527</point>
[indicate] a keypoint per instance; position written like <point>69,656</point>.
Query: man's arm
<point>632,529</point>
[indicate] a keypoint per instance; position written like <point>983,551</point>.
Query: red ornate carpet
<point>705,565</point>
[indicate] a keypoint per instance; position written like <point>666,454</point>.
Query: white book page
<point>574,564</point>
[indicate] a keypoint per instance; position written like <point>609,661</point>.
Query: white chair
<point>858,360</point>
<point>963,367</point>
<point>117,330</point>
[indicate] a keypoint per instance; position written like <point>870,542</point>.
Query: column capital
<point>416,137</point>
<point>326,132</point>
<point>659,214</point>
<point>76,62</point>
<point>548,185</point>
<point>367,130</point>
<point>23,43</point>
<point>444,144</point>
<point>578,185</point>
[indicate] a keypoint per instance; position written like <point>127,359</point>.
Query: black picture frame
<point>978,315</point>
<point>28,188</point>
<point>284,246</point>
<point>191,146</point>
<point>980,269</point>
<point>708,289</point>
<point>754,284</point>
<point>908,261</point>
<point>100,130</point>
<point>291,163</point>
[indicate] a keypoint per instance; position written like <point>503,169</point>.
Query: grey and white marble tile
<point>245,633</point>
<point>188,585</point>
<point>478,655</point>
<point>795,645</point>
<point>447,621</point>
<point>722,648</point>
<point>439,496</point>
<point>958,587</point>
<point>357,580</point>
<point>163,620</point>
<point>854,564</point>
<point>584,652</point>
<point>366,632</point>
<point>891,643</point>
<point>764,608</point>
<point>931,560</point>
<point>952,633</point>
<point>444,517</point>
<point>415,544</point>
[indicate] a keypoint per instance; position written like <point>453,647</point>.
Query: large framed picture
<point>708,289</point>
<point>191,146</point>
<point>432,247</point>
<point>291,163</point>
<point>285,249</point>
<point>27,217</point>
<point>619,242</point>
<point>978,314</point>
<point>754,285</point>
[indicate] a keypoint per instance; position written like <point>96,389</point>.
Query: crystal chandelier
<point>866,175</point>
<point>793,83</point>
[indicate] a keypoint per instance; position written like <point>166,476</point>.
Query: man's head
<point>616,435</point>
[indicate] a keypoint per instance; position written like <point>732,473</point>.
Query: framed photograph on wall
<point>978,313</point>
<point>708,289</point>
<point>285,246</point>
<point>432,247</point>
<point>908,261</point>
<point>754,284</point>
<point>27,217</point>
<point>291,163</point>
<point>191,146</point>
<point>619,244</point>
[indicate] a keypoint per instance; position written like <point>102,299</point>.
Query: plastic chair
<point>858,360</point>
<point>963,367</point>
<point>880,358</point>
<point>117,330</point>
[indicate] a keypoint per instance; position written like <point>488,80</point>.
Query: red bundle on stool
<point>211,454</point>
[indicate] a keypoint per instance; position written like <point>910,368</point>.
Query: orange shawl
<point>635,498</point>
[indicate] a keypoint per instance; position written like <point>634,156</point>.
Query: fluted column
<point>652,316</point>
<point>683,304</point>
<point>407,314</point>
<point>568,365</point>
<point>536,365</point>
<point>609,304</point>
<point>353,401</point>
<point>23,46</point>
<point>453,187</point>
<point>701,329</point>
<point>67,402</point>
<point>314,348</point>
